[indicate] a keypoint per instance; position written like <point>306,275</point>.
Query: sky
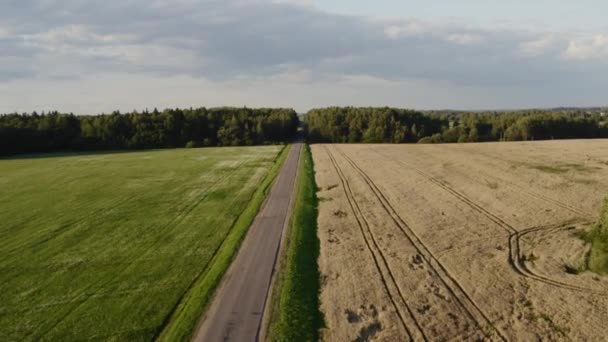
<point>523,13</point>
<point>88,57</point>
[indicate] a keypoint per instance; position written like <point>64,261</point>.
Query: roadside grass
<point>597,258</point>
<point>121,246</point>
<point>187,314</point>
<point>294,308</point>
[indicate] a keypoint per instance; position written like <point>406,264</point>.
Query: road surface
<point>236,311</point>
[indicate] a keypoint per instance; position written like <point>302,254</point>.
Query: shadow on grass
<point>72,154</point>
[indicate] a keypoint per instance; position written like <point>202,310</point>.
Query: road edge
<point>281,254</point>
<point>182,329</point>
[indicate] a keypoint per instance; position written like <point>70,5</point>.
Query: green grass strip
<point>182,322</point>
<point>295,310</point>
<point>597,259</point>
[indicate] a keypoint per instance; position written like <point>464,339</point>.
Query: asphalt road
<point>236,311</point>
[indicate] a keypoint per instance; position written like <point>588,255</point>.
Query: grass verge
<point>184,318</point>
<point>295,314</point>
<point>597,259</point>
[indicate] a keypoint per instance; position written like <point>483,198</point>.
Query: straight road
<point>236,311</point>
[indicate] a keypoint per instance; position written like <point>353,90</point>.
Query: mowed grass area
<point>295,314</point>
<point>107,246</point>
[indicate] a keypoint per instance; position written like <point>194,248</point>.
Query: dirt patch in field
<point>460,242</point>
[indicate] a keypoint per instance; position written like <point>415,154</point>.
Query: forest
<point>171,128</point>
<point>391,125</point>
<point>229,126</point>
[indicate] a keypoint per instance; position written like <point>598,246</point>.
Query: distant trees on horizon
<point>171,128</point>
<point>229,126</point>
<point>370,125</point>
<point>391,125</point>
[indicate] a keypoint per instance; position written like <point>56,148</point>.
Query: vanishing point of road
<point>236,312</point>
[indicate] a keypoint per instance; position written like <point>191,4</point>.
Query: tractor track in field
<point>462,297</point>
<point>538,195</point>
<point>380,261</point>
<point>515,259</point>
<point>559,203</point>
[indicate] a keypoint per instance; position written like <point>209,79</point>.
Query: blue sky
<point>89,56</point>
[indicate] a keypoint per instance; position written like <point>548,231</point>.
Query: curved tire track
<point>515,260</point>
<point>515,239</point>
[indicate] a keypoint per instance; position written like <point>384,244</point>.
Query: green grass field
<point>295,314</point>
<point>112,246</point>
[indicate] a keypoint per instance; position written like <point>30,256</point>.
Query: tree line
<point>228,126</point>
<point>34,133</point>
<point>369,125</point>
<point>391,125</point>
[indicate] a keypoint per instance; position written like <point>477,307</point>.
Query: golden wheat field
<point>460,242</point>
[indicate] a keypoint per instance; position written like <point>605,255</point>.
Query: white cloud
<point>448,31</point>
<point>76,34</point>
<point>464,38</point>
<point>366,81</point>
<point>401,29</point>
<point>307,3</point>
<point>595,47</point>
<point>294,75</point>
<point>538,46</point>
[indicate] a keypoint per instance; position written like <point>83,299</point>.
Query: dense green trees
<point>389,125</point>
<point>169,128</point>
<point>28,133</point>
<point>370,125</point>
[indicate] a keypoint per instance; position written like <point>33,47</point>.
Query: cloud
<point>5,32</point>
<point>75,34</point>
<point>587,48</point>
<point>307,3</point>
<point>288,42</point>
<point>464,38</point>
<point>399,30</point>
<point>538,46</point>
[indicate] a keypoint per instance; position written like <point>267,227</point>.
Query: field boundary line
<point>262,330</point>
<point>295,285</point>
<point>234,233</point>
